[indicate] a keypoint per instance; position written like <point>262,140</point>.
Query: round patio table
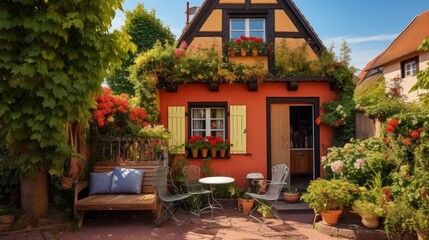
<point>211,181</point>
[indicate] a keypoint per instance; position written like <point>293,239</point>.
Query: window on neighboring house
<point>410,67</point>
<point>249,27</point>
<point>208,121</point>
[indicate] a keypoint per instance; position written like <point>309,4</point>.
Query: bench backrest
<point>147,166</point>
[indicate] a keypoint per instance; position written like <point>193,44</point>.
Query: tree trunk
<point>34,195</point>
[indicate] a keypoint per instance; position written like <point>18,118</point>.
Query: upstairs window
<point>409,67</point>
<point>249,27</point>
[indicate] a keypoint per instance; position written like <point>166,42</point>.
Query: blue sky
<point>368,26</point>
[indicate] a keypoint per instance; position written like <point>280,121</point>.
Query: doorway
<point>293,138</point>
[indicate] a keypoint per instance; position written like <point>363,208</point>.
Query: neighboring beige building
<point>401,58</point>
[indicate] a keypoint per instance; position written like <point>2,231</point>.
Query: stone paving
<point>138,225</point>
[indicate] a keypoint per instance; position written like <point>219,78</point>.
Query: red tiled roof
<point>407,42</point>
<point>365,69</point>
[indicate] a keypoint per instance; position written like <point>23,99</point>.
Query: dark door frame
<point>307,100</point>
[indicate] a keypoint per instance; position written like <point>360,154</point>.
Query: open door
<point>280,135</point>
<point>292,141</point>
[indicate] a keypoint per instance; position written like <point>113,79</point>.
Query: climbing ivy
<point>54,56</point>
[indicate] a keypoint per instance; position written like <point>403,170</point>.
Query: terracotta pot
<point>213,152</point>
<point>204,152</point>
<point>232,53</point>
<point>291,197</point>
<point>246,205</point>
<point>255,52</point>
<point>7,219</point>
<point>370,222</point>
<point>222,152</point>
<point>243,52</point>
<point>330,217</point>
<point>194,152</point>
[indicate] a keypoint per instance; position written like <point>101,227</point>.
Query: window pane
<point>256,24</point>
<point>237,34</point>
<point>199,124</point>
<point>198,113</point>
<point>237,24</point>
<point>257,34</point>
<point>216,113</point>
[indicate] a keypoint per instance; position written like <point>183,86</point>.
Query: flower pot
<point>66,182</point>
<point>243,52</point>
<point>204,152</point>
<point>370,222</point>
<point>213,152</point>
<point>291,197</point>
<point>246,205</point>
<point>252,86</point>
<point>7,219</point>
<point>194,152</point>
<point>255,52</point>
<point>222,152</point>
<point>330,217</point>
<point>232,53</point>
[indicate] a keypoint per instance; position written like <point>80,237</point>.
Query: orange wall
<point>237,94</point>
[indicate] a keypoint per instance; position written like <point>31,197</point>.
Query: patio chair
<point>274,186</point>
<point>194,187</point>
<point>170,202</point>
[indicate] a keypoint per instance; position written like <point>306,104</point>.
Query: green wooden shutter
<point>237,115</point>
<point>176,126</point>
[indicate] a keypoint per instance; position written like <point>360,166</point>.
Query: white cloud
<point>358,40</point>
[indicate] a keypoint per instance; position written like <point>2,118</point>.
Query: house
<point>401,58</point>
<point>267,124</point>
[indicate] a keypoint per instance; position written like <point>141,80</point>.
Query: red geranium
<point>420,129</point>
<point>340,121</point>
<point>389,128</point>
<point>318,120</point>
<point>415,134</point>
<point>393,122</point>
<point>407,141</point>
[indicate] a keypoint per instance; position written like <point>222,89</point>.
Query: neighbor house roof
<point>407,42</point>
<point>367,71</point>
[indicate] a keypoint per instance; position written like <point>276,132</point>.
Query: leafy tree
<point>54,56</point>
<point>144,29</point>
<point>423,76</point>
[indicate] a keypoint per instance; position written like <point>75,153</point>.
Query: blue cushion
<point>99,183</point>
<point>126,180</point>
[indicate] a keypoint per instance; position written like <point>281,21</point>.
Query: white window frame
<point>247,27</point>
<point>208,119</point>
<point>410,68</point>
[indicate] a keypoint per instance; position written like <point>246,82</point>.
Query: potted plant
<point>205,146</point>
<point>223,146</point>
<point>195,143</point>
<point>329,197</point>
<point>246,203</point>
<point>265,211</point>
<point>236,192</point>
<point>291,196</point>
<point>243,45</point>
<point>370,213</point>
<point>255,44</point>
<point>231,47</point>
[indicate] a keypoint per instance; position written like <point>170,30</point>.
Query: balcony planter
<point>214,87</point>
<point>171,87</point>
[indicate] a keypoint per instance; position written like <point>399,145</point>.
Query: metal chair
<point>194,187</point>
<point>279,174</point>
<point>170,202</point>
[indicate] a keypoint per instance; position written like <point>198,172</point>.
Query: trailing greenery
<point>372,98</point>
<point>54,56</point>
<point>145,29</point>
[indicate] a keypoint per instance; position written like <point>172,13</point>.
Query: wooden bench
<point>146,200</point>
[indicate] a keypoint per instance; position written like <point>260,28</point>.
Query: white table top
<point>217,180</point>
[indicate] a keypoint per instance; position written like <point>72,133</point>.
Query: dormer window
<point>410,67</point>
<point>249,27</point>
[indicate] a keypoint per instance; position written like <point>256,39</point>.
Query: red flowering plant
<point>249,43</point>
<point>195,142</point>
<point>115,117</point>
